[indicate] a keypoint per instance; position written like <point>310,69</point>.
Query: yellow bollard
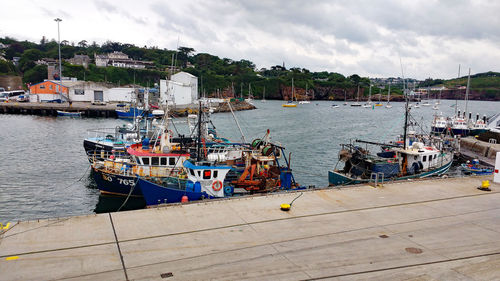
<point>485,186</point>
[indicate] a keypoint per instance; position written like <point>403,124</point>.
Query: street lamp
<point>58,20</point>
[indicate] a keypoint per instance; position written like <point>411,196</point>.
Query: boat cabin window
<point>424,159</point>
<point>216,173</point>
<point>191,171</point>
<point>415,157</point>
<point>171,161</point>
<point>199,173</point>
<point>145,160</point>
<point>155,161</point>
<point>163,161</point>
<point>207,174</point>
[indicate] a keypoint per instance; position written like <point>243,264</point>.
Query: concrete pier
<point>485,152</point>
<point>108,110</point>
<point>439,229</point>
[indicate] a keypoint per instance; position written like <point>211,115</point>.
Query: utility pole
<point>58,20</point>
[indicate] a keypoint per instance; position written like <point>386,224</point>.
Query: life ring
<point>217,185</point>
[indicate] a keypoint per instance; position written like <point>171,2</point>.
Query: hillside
<point>217,76</point>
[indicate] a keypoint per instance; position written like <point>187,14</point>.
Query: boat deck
<point>439,229</point>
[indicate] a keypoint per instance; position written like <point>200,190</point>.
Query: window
<point>42,86</point>
<point>435,155</point>
<point>199,173</point>
<point>207,174</point>
<point>79,92</point>
<point>424,159</point>
<point>50,87</point>
<point>145,160</point>
<point>216,173</point>
<point>191,171</point>
<point>171,161</point>
<point>155,161</point>
<point>163,161</point>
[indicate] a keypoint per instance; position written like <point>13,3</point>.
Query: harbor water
<point>44,171</point>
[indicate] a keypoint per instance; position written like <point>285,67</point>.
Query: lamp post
<point>58,20</point>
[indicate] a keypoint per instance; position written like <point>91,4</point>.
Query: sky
<point>378,38</point>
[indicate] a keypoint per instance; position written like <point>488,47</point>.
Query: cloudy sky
<point>364,37</point>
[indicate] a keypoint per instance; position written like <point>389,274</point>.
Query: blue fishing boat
<point>199,181</point>
<point>475,168</point>
<point>69,113</point>
<point>129,113</point>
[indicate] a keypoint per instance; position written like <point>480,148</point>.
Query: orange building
<point>47,87</point>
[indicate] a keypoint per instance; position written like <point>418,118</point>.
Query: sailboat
<point>357,101</point>
<point>263,96</point>
<point>389,98</point>
<point>368,104</point>
<point>305,101</point>
<point>250,97</point>
<point>438,102</point>
<point>290,103</point>
<point>426,102</point>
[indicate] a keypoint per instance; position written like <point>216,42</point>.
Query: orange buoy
<point>184,199</point>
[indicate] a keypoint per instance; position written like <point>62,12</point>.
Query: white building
<point>87,91</point>
<point>181,89</point>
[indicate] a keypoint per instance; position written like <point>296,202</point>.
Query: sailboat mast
<point>389,94</point>
<point>292,89</point>
<point>370,94</point>
<point>467,93</point>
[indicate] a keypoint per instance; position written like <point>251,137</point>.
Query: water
<point>44,171</point>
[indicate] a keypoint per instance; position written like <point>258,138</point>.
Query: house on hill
<point>119,59</point>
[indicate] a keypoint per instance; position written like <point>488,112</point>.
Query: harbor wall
<point>482,148</point>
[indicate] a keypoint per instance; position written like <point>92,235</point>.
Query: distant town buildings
<point>119,59</point>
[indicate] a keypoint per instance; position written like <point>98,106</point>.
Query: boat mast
<point>198,147</point>
<point>370,94</point>
<point>456,100</point>
<point>292,89</point>
<point>389,94</point>
<point>467,93</point>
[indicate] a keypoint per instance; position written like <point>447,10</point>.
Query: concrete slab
<point>50,234</point>
<point>89,263</point>
<point>420,230</point>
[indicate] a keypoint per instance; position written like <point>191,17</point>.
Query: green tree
<point>35,74</point>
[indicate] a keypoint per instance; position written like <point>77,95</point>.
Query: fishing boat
<point>69,113</point>
<point>478,127</point>
<point>458,125</point>
<point>475,168</point>
<point>439,124</point>
<point>199,181</point>
<point>357,100</point>
<point>335,105</point>
<point>418,159</point>
<point>290,103</point>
